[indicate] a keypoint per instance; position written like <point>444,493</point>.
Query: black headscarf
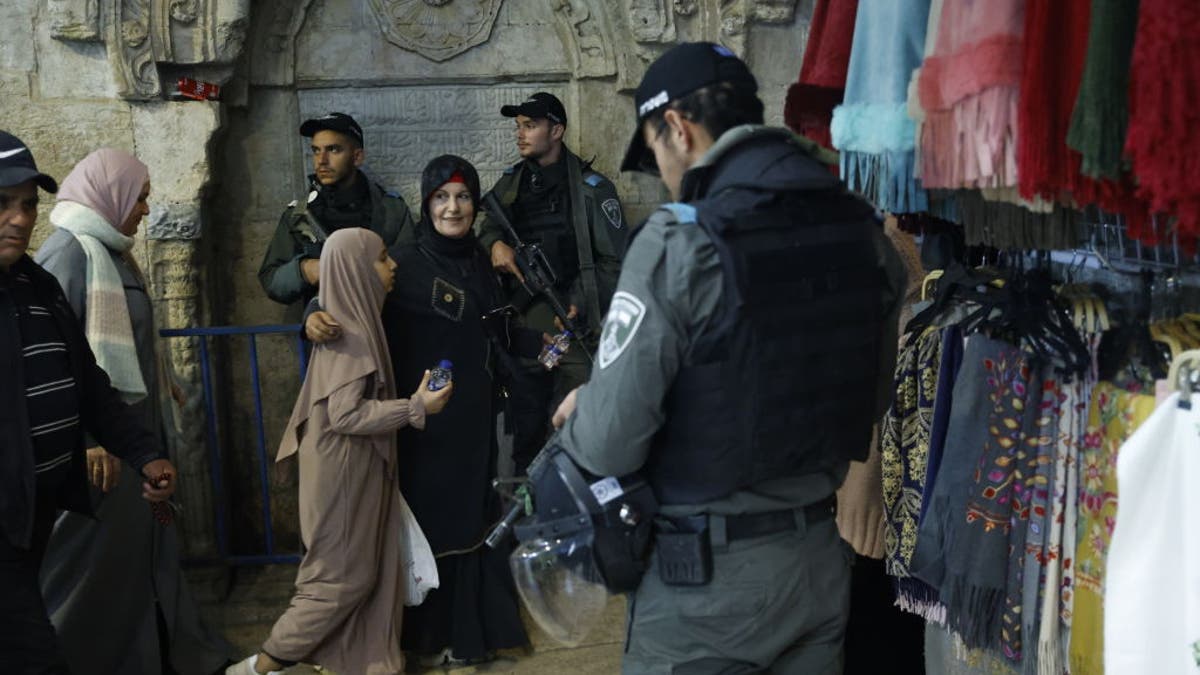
<point>436,173</point>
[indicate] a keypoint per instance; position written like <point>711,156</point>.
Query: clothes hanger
<point>930,281</point>
<point>1184,376</point>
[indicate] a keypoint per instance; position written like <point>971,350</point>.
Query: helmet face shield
<point>558,582</point>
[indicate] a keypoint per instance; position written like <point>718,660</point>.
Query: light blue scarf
<point>872,128</point>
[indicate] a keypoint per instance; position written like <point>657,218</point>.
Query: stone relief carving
<point>774,11</point>
<point>406,125</point>
<point>587,34</point>
<point>143,33</point>
<point>685,7</point>
<point>174,222</point>
<point>76,20</point>
<point>724,21</point>
<point>129,49</point>
<point>651,20</point>
<point>736,14</point>
<point>184,11</point>
<point>175,288</point>
<point>436,29</point>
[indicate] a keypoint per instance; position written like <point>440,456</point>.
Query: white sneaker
<point>247,667</point>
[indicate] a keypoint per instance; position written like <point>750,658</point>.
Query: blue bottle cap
<point>445,363</point>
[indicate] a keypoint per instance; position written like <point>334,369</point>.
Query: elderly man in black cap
<point>556,200</point>
<point>744,359</point>
<point>53,392</point>
<point>340,195</point>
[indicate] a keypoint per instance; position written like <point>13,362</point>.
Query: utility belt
<point>684,544</point>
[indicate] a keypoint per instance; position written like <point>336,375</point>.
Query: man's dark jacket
<point>298,236</point>
<point>101,413</point>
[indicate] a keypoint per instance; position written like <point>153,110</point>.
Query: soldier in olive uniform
<point>340,196</point>
<point>745,357</point>
<point>556,200</point>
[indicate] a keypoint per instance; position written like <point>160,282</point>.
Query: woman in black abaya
<point>444,287</point>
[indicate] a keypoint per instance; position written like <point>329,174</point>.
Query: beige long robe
<point>350,588</point>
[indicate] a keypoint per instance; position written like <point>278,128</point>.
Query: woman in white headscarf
<point>113,586</point>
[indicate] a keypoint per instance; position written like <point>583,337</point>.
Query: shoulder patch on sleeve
<point>510,170</point>
<point>612,211</point>
<point>684,213</point>
<point>624,318</point>
<point>593,179</point>
<point>393,194</point>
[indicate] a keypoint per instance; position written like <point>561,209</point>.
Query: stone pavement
<point>244,604</point>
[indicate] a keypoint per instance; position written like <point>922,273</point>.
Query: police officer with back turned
<point>745,356</point>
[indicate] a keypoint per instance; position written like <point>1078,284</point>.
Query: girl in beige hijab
<point>355,577</point>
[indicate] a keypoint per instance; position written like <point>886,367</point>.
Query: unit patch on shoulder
<point>612,211</point>
<point>624,318</point>
<point>593,179</point>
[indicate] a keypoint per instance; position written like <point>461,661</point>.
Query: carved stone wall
<point>77,75</point>
<point>423,76</point>
<point>405,127</point>
<point>426,77</point>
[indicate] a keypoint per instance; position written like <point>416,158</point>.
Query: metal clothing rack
<point>1109,256</point>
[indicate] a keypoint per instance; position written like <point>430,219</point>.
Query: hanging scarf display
<point>904,446</point>
<point>1113,416</point>
<point>961,542</point>
<point>872,128</point>
<point>1164,119</point>
<point>808,109</point>
<point>968,89</point>
<point>1056,36</point>
<point>1030,576</point>
<point>1101,112</point>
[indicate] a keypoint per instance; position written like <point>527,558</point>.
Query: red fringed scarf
<point>1164,110</point>
<point>810,101</point>
<point>1056,37</point>
<point>1056,44</point>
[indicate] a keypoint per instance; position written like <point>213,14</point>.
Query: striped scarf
<point>107,324</point>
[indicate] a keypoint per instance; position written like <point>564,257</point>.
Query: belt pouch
<point>685,558</point>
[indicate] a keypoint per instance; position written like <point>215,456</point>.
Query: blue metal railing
<point>216,465</point>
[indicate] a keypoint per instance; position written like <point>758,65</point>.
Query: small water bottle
<point>554,351</point>
<point>440,376</point>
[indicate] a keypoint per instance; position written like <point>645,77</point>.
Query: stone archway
<point>417,101</point>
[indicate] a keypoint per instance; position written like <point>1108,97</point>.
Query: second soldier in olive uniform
<point>556,200</point>
<point>340,196</point>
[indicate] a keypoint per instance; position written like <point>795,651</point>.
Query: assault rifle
<point>539,276</point>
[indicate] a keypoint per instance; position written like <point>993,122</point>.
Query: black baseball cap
<point>677,73</point>
<point>17,165</point>
<point>541,105</point>
<point>334,121</point>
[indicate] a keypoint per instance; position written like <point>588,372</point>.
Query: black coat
<point>102,412</point>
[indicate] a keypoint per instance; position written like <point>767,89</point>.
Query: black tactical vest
<point>542,215</point>
<point>786,383</point>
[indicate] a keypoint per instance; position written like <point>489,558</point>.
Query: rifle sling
<point>583,242</point>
